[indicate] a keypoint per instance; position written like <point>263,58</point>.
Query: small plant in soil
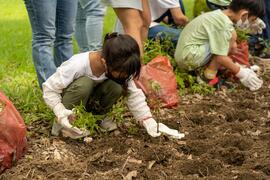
<point>86,120</point>
<point>242,35</point>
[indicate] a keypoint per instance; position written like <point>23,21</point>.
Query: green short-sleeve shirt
<point>208,34</point>
<point>221,2</point>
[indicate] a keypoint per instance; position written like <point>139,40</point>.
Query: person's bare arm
<point>178,17</point>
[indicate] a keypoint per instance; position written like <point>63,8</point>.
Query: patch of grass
<point>200,7</point>
<point>154,48</point>
<point>26,96</point>
<point>189,5</point>
<point>109,21</point>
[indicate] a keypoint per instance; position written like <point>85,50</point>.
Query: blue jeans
<point>89,25</point>
<point>162,31</point>
<point>266,20</point>
<point>52,23</point>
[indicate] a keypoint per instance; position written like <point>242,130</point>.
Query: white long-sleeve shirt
<point>78,66</point>
<point>159,7</point>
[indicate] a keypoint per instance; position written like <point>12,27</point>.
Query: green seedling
<point>86,120</point>
<point>118,110</point>
<point>156,102</point>
<point>242,35</point>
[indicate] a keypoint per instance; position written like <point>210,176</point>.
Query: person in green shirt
<point>208,40</point>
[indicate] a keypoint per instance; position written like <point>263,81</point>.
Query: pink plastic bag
<point>158,82</point>
<point>12,134</point>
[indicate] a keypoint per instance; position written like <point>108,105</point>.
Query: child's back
<point>207,34</point>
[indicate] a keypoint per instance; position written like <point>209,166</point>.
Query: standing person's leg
<point>132,23</point>
<point>65,23</point>
<point>89,25</point>
<point>80,29</point>
<point>42,18</point>
<point>94,12</point>
<point>146,18</point>
<point>135,19</point>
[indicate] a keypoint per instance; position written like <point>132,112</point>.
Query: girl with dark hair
<point>100,76</point>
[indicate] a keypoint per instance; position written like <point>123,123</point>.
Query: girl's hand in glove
<point>64,116</point>
<point>155,129</point>
<point>249,79</point>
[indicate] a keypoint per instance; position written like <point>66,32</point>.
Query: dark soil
<point>227,137</point>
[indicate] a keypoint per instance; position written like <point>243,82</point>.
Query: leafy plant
<point>133,129</point>
<point>118,110</point>
<point>242,35</point>
<point>153,48</point>
<point>86,120</point>
<point>266,44</point>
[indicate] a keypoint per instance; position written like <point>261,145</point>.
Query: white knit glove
<point>152,127</point>
<point>244,25</point>
<point>62,115</point>
<point>257,26</point>
<point>249,79</point>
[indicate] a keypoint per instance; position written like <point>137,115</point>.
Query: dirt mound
<point>227,137</point>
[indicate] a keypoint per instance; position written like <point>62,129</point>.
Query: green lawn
<point>17,73</point>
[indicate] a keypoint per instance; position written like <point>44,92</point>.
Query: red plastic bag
<point>12,134</point>
<point>242,56</point>
<point>158,82</point>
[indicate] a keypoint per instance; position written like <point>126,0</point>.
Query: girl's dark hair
<point>122,53</point>
<point>254,7</point>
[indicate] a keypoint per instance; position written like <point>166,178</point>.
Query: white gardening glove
<point>62,115</point>
<point>249,79</point>
<point>152,127</point>
<point>255,68</point>
<point>243,25</point>
<point>257,27</point>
